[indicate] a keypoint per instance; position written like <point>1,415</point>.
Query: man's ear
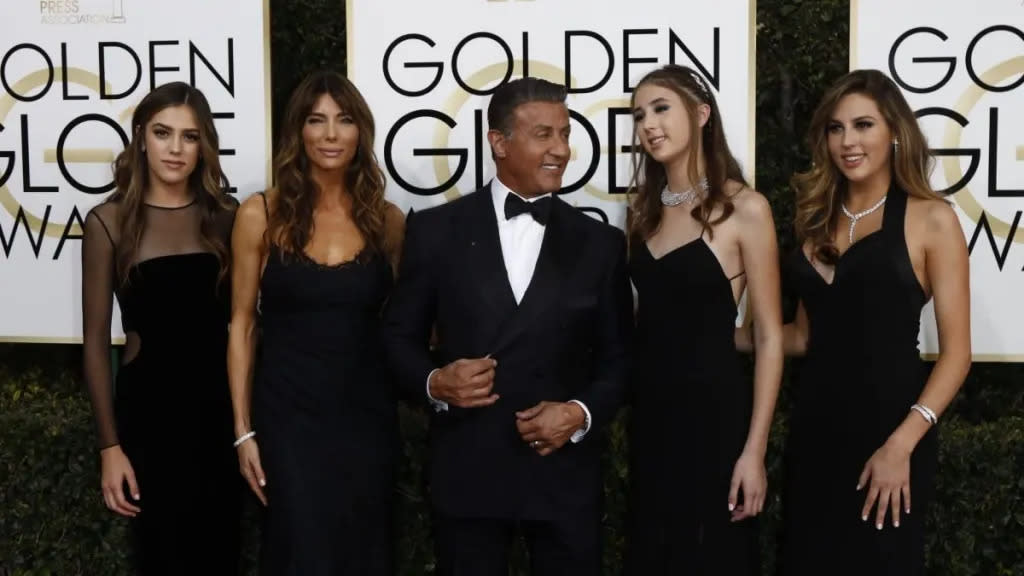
<point>499,144</point>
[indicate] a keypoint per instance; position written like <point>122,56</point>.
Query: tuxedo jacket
<point>567,339</point>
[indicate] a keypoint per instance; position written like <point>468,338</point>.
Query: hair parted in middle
<point>294,196</point>
<point>649,176</point>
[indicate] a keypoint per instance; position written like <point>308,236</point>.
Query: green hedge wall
<point>52,520</point>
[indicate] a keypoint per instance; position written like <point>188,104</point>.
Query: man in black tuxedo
<point>533,313</point>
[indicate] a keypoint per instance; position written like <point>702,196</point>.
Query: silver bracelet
<point>926,412</point>
<point>244,437</point>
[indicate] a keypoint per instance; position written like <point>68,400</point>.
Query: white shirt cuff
<point>442,406</point>
<point>578,435</point>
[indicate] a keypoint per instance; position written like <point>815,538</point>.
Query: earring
<point>895,145</point>
<point>143,146</point>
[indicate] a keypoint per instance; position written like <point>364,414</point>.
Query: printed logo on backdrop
<point>429,84</point>
<point>961,68</point>
<point>979,127</point>
<point>81,119</point>
<point>71,74</point>
<point>92,12</point>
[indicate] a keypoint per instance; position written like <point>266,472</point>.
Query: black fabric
<point>171,412</point>
<point>480,546</point>
<point>691,414</point>
<point>325,412</point>
<point>861,374</point>
<point>567,339</point>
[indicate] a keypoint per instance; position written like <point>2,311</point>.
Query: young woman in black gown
<point>876,244</point>
<point>159,244</point>
<point>313,258</point>
<point>699,236</point>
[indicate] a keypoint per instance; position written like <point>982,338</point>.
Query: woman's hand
<point>888,471</point>
<point>252,471</point>
<point>115,471</point>
<point>749,476</point>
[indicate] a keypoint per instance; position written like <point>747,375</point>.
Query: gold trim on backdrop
<point>119,341</point>
<point>268,94</point>
<point>348,37</point>
<point>1010,358</point>
<point>854,30</point>
<point>752,103</point>
<point>90,80</point>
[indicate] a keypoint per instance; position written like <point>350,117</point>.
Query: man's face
<point>532,159</point>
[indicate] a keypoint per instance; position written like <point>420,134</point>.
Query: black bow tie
<point>539,209</point>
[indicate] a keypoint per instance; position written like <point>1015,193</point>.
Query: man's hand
<point>548,426</point>
<point>466,383</point>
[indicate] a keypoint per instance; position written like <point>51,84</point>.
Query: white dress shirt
<point>521,238</point>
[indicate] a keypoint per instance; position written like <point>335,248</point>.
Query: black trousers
<point>480,547</point>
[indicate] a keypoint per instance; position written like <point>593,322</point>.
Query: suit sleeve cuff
<point>578,435</point>
<point>442,406</point>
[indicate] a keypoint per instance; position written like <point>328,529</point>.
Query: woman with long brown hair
<point>699,236</point>
<point>313,259</point>
<point>876,243</point>
<point>159,244</point>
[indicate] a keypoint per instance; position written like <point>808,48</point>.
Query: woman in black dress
<point>159,244</point>
<point>313,258</point>
<point>698,237</point>
<point>876,244</point>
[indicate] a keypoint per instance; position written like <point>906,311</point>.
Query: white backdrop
<point>961,67</point>
<point>419,63</point>
<point>73,72</point>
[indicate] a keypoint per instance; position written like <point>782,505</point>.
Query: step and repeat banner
<point>72,72</point>
<point>428,69</point>
<point>961,68</point>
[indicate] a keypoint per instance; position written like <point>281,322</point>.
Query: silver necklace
<point>855,217</point>
<point>669,198</point>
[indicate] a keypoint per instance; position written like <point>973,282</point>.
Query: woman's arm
<point>886,475</point>
<point>247,257</point>
<point>97,306</point>
<point>794,335</point>
<point>759,251</point>
<point>947,269</point>
<point>394,235</point>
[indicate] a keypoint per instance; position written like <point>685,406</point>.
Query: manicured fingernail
<point>908,510</point>
<point>864,517</point>
<point>135,496</point>
<point>896,524</point>
<point>263,482</point>
<point>858,487</point>
<point>879,525</point>
<point>731,507</point>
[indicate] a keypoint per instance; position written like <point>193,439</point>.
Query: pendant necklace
<point>855,217</point>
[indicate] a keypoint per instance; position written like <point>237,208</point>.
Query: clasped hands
<point>469,383</point>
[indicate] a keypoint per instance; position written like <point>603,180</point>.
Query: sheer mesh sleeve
<point>97,305</point>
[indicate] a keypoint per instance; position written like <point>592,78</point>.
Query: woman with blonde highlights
<point>699,237</point>
<point>876,245</point>
<point>313,259</point>
<point>159,243</point>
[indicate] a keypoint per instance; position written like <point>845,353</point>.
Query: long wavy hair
<point>819,190</point>
<point>294,196</point>
<point>649,176</point>
<point>131,176</point>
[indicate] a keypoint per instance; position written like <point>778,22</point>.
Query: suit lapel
<point>485,257</point>
<point>553,263</point>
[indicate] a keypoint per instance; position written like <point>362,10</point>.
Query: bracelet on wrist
<point>243,438</point>
<point>925,413</point>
